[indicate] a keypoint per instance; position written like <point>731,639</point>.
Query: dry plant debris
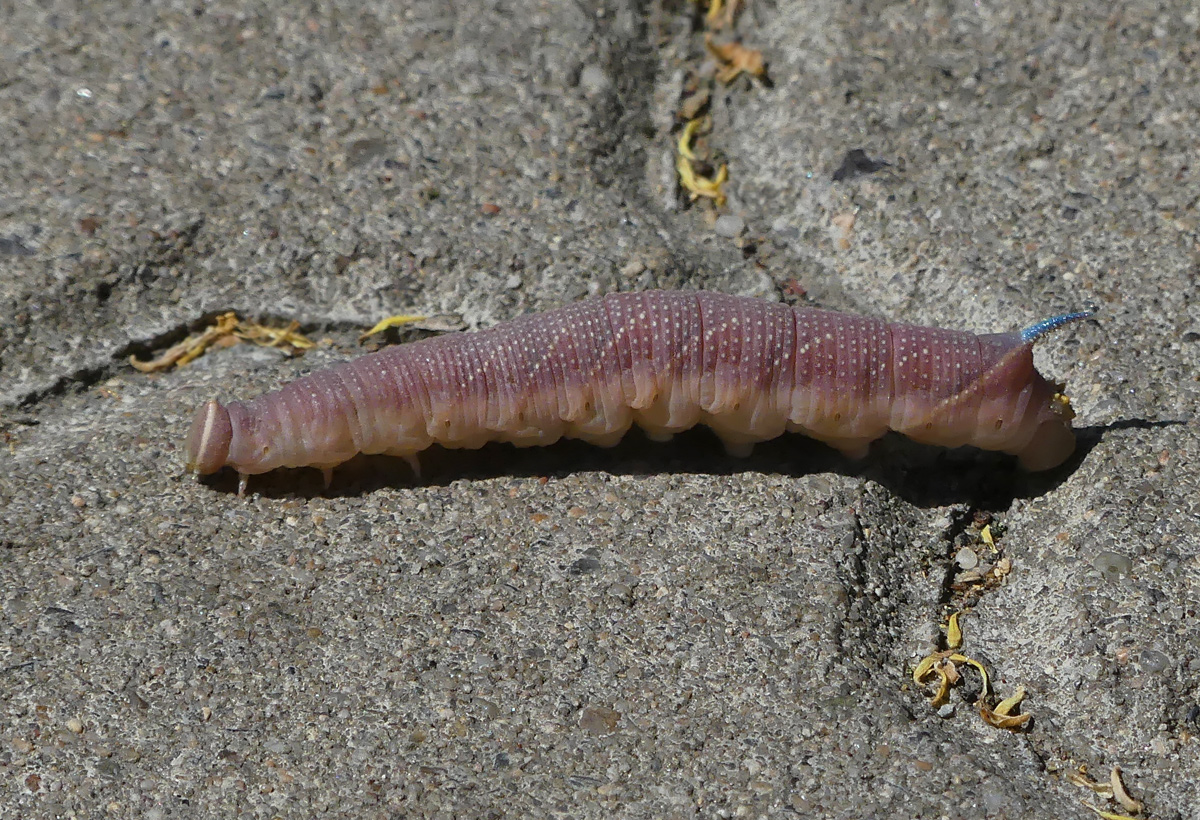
<point>985,577</point>
<point>720,13</point>
<point>735,58</point>
<point>1113,789</point>
<point>732,60</point>
<point>945,665</point>
<point>228,329</point>
<point>696,184</point>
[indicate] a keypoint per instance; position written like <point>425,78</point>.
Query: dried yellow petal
<point>953,632</point>
<point>943,692</point>
<point>697,185</point>
<point>393,321</point>
<point>688,134</point>
<point>1006,706</point>
<point>1107,815</point>
<point>1080,778</point>
<point>987,686</point>
<point>924,668</point>
<point>1001,721</point>
<point>1122,796</point>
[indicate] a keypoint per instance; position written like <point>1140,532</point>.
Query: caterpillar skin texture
<point>666,360</point>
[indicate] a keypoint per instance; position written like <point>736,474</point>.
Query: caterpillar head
<point>209,439</point>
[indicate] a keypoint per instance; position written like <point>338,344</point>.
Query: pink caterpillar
<point>668,360</point>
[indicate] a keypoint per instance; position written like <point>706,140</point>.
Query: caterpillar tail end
<point>1042,328</point>
<point>1053,441</point>
<point>1052,444</point>
<point>209,439</point>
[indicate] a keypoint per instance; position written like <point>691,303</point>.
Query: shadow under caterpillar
<point>750,369</point>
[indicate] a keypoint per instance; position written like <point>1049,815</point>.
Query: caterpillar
<point>750,369</point>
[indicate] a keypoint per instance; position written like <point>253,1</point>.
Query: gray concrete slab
<point>649,631</point>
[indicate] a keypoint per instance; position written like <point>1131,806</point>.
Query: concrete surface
<point>651,631</point>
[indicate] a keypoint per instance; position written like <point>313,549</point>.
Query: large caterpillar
<point>668,360</point>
